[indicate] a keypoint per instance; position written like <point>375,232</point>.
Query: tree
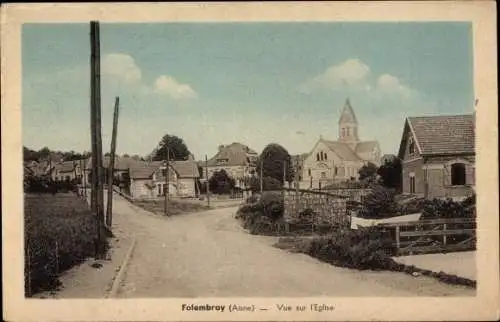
<point>367,171</point>
<point>126,155</point>
<point>391,174</point>
<point>221,182</point>
<point>274,158</point>
<point>176,147</point>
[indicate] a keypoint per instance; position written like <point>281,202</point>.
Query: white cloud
<point>351,74</point>
<point>389,84</point>
<point>122,66</point>
<point>170,86</point>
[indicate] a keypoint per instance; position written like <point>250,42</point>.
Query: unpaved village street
<point>208,254</point>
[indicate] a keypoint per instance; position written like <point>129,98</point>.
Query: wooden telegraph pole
<point>109,209</point>
<point>207,183</point>
<point>297,201</point>
<point>95,113</point>
<point>284,173</point>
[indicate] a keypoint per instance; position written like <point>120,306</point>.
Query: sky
<point>255,83</point>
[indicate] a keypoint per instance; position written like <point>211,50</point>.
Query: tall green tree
<point>274,159</point>
<point>368,171</point>
<point>177,149</point>
<point>391,174</point>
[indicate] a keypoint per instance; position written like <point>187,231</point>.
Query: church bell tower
<point>348,126</point>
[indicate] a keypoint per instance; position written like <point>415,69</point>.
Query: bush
<point>59,233</point>
<point>272,205</point>
<point>380,203</point>
<point>365,248</point>
<point>438,208</point>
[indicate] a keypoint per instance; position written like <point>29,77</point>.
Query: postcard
<point>274,161</point>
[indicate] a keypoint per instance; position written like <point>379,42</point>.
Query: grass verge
<point>59,233</point>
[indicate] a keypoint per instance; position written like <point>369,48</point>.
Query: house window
<point>411,145</point>
<point>309,172</point>
<point>458,174</point>
<point>343,132</point>
<point>412,183</point>
<point>317,156</point>
<point>323,175</point>
<point>160,189</point>
<point>326,158</point>
<point>347,131</point>
<point>336,171</point>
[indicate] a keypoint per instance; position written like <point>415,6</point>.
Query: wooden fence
<point>432,236</point>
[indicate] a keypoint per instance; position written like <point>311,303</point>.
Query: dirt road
<point>209,255</point>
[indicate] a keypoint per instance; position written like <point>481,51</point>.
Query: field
<point>59,234</point>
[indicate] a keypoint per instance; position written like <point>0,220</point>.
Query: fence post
<point>444,234</point>
<point>397,240</point>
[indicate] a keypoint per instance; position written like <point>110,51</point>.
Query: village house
<point>148,180</point>
<point>66,171</point>
<point>340,160</point>
<point>238,160</point>
<point>438,156</point>
<point>121,166</point>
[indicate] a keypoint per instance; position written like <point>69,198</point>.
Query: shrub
<point>380,203</point>
<point>361,249</point>
<point>272,205</point>
<point>438,208</point>
<point>59,233</point>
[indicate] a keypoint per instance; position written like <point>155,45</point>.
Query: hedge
<point>59,234</point>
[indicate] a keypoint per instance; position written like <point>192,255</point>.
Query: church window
<point>412,183</point>
<point>317,156</point>
<point>326,157</point>
<point>336,171</point>
<point>309,172</point>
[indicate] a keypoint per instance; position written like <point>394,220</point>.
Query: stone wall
<point>331,209</point>
<point>354,194</point>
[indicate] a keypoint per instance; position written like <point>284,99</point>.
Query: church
<point>340,160</point>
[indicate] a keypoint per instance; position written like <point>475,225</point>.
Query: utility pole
<point>97,171</point>
<point>167,180</point>
<point>284,173</point>
<point>297,200</point>
<point>109,210</point>
<point>206,177</point>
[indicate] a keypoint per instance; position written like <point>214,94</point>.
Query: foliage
<point>34,184</point>
<point>221,182</point>
<point>268,183</point>
<point>59,233</point>
<point>380,203</point>
<point>361,249</point>
<point>274,158</point>
<point>349,184</point>
<point>45,153</point>
<point>262,215</point>
<point>368,171</point>
<point>172,145</point>
<point>391,174</point>
<point>272,205</point>
<point>438,208</point>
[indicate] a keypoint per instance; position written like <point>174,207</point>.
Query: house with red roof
<point>438,156</point>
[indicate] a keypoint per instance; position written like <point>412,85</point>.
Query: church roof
<point>342,150</point>
<point>366,146</point>
<point>348,115</point>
